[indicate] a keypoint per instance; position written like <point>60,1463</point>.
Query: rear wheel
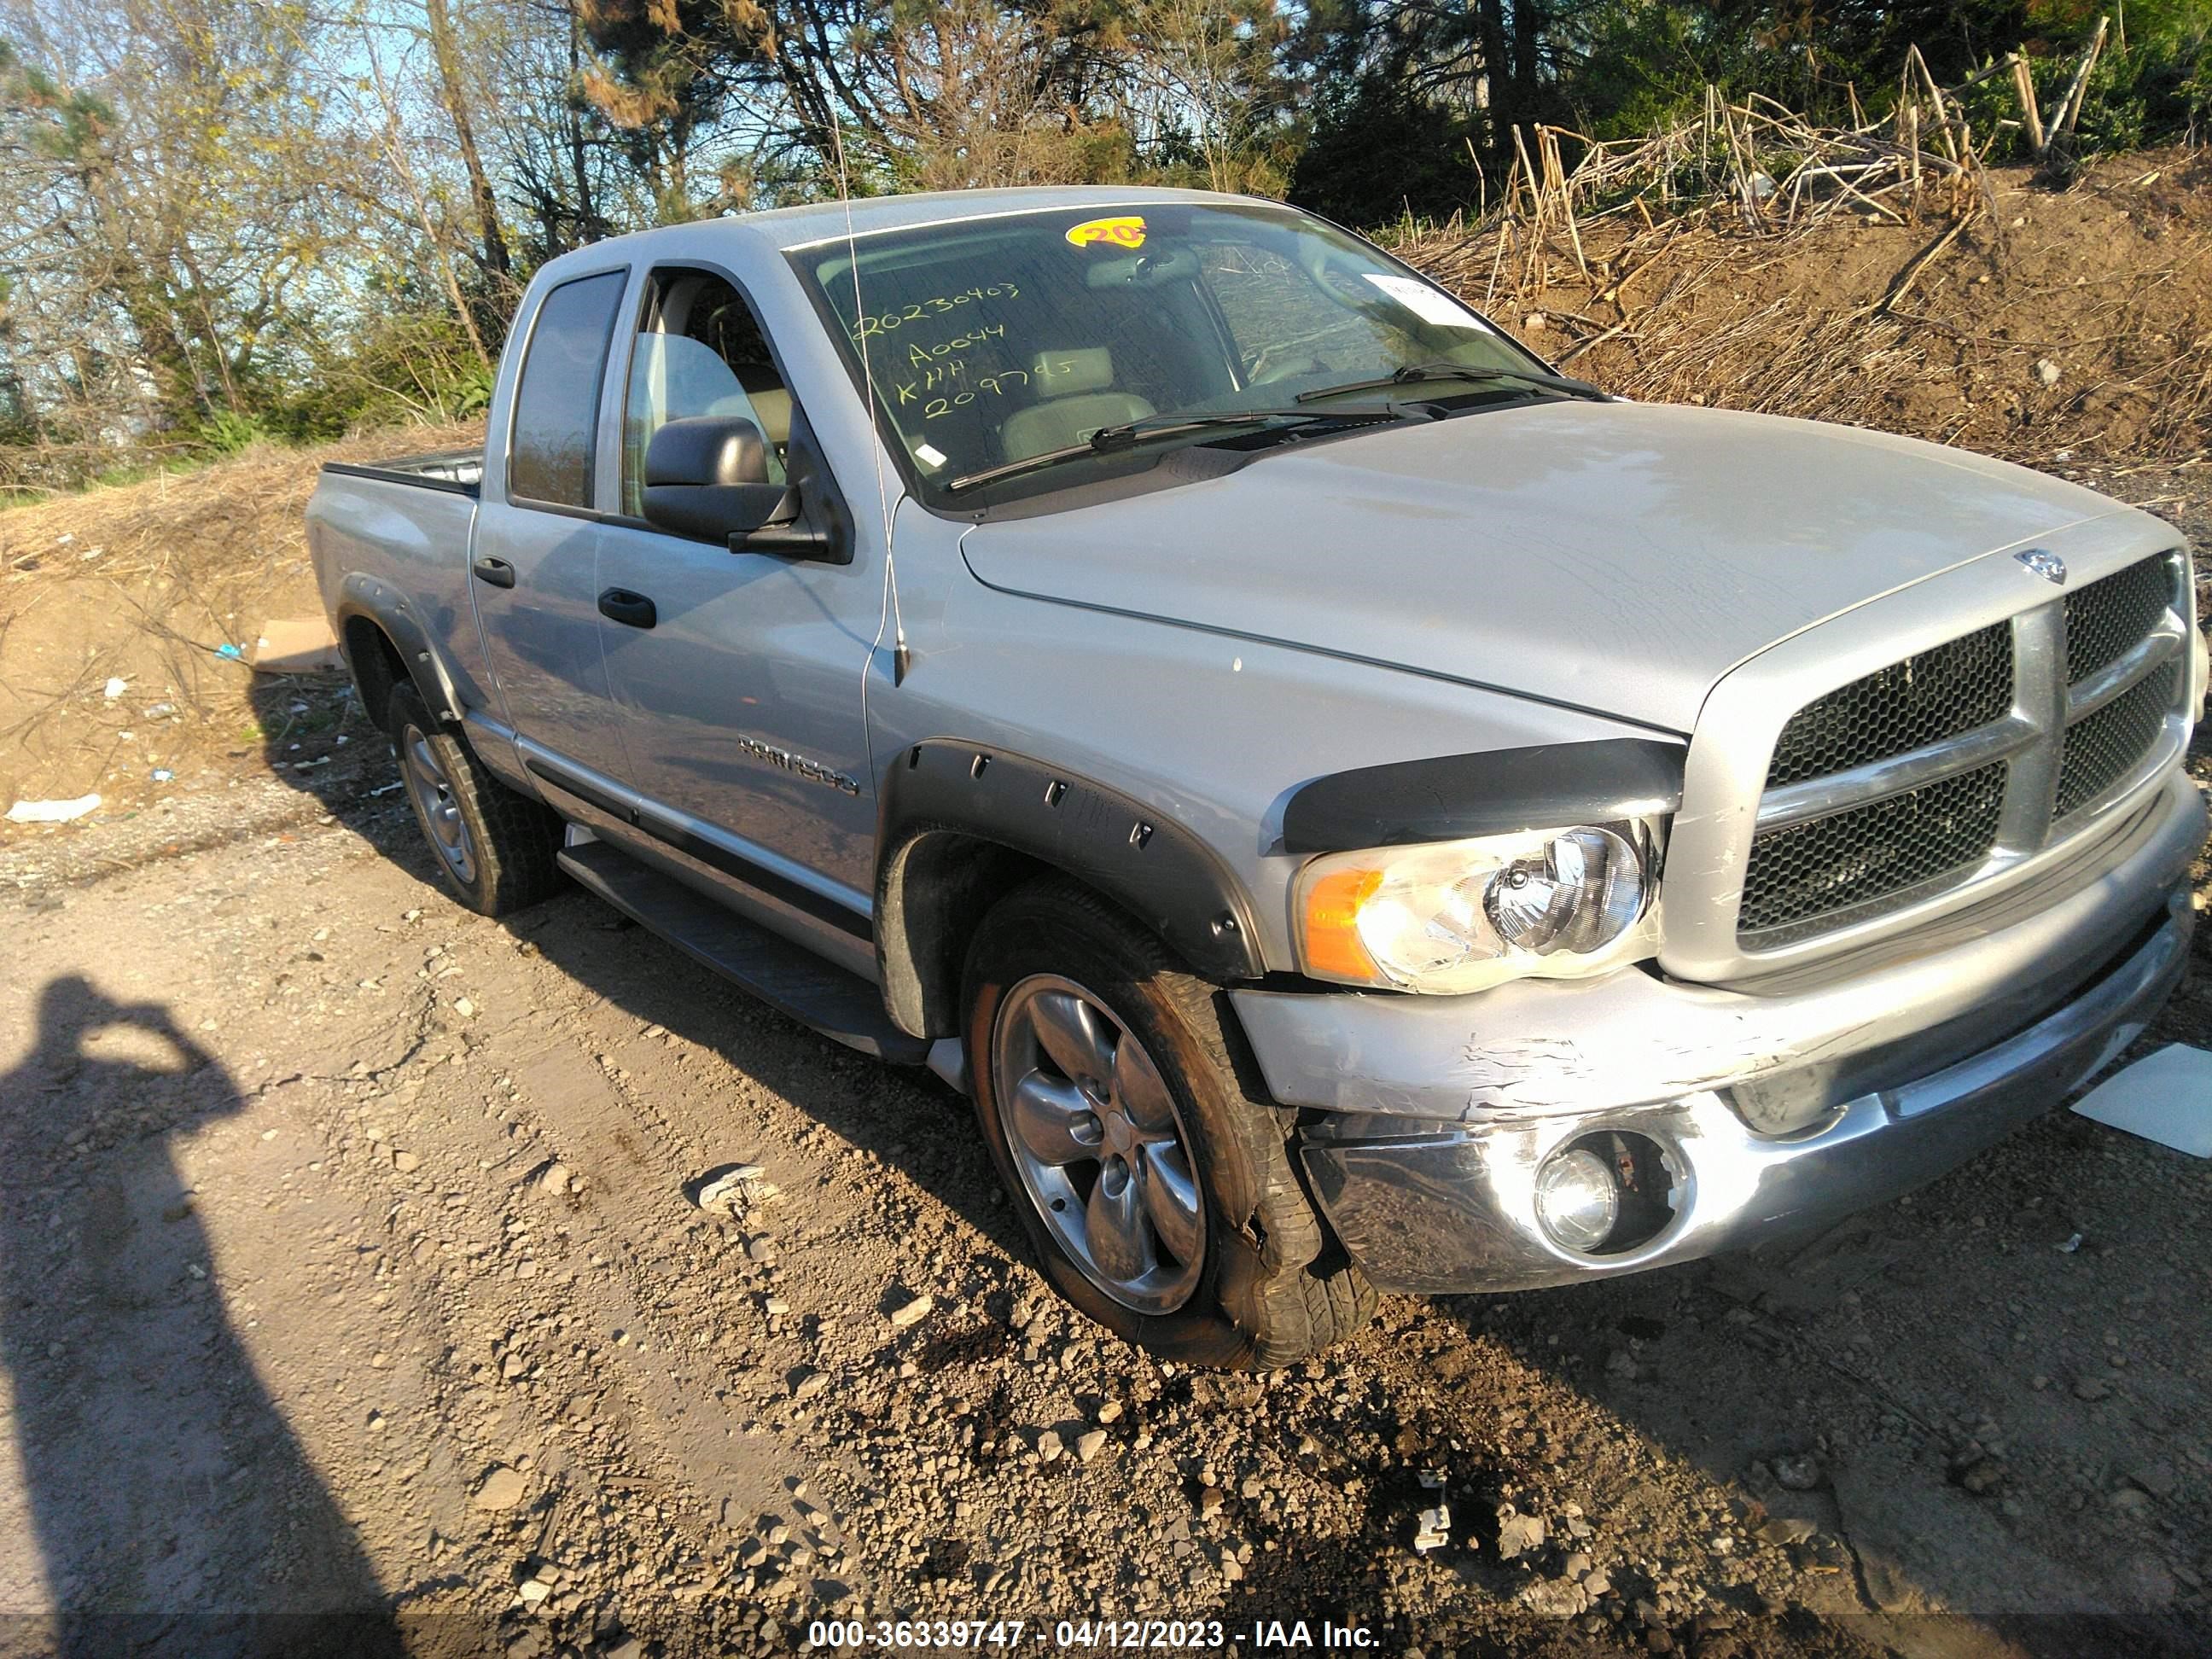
<point>1158,1192</point>
<point>493,849</point>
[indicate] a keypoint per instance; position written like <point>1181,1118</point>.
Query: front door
<point>742,700</point>
<point>534,564</point>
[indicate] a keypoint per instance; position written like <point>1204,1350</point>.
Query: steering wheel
<point>1265,370</point>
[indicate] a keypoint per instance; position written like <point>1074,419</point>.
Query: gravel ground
<point>351,1264</point>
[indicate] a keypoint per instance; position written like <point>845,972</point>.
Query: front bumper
<point>1436,1112</point>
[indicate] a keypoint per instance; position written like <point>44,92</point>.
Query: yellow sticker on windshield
<point>1126,232</point>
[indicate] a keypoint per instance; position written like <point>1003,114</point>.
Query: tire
<point>1265,1286</point>
<point>494,849</point>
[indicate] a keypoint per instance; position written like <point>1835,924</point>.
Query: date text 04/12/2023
<point>1090,1635</point>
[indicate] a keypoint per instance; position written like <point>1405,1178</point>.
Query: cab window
<point>993,341</point>
<point>699,350</point>
<point>556,399</point>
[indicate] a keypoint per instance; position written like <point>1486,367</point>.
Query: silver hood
<point>1618,557</point>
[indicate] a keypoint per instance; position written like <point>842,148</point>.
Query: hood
<point>1617,557</point>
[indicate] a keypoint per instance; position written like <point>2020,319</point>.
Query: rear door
<point>743,699</point>
<point>534,567</point>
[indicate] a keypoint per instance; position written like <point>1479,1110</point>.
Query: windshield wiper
<point>1414,373</point>
<point>1115,440</point>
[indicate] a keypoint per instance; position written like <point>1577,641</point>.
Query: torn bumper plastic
<point>1435,1113</point>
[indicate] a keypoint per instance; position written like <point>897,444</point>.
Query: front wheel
<point>1157,1191</point>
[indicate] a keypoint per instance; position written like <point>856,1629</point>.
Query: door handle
<point>630,610</point>
<point>497,572</point>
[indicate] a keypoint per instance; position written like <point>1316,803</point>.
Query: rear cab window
<point>553,441</point>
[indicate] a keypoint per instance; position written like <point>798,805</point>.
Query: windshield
<point>995,340</point>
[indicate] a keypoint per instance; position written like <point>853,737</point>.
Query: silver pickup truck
<point>1354,807</point>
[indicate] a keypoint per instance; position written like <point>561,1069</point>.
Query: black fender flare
<point>364,597</point>
<point>959,793</point>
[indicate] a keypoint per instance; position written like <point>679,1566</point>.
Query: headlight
<point>1461,915</point>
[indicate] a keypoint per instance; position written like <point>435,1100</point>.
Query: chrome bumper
<point>1439,1110</point>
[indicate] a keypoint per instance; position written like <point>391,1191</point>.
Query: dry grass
<point>1862,276</point>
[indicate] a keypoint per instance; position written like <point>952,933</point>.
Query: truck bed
<point>406,525</point>
<point>460,471</point>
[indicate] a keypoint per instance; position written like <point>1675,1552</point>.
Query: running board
<point>788,977</point>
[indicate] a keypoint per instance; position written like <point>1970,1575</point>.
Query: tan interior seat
<point>771,402</point>
<point>1075,399</point>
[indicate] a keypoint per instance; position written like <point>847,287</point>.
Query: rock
<point>1553,1598</point>
<point>1577,1565</point>
<point>1797,1471</point>
<point>1785,1529</point>
<point>556,1180</point>
<point>502,1488</point>
<point>733,1189</point>
<point>1251,1487</point>
<point>1621,1363</point>
<point>1982,1475</point>
<point>1598,1584</point>
<point>2158,1479</point>
<point>1210,1499</point>
<point>406,1163</point>
<point>1088,1446</point>
<point>1049,1447</point>
<point>1518,1534</point>
<point>912,1313</point>
<point>809,1385</point>
<point>628,1648</point>
<point>2092,1388</point>
<point>761,1250</point>
<point>2131,1500</point>
<point>533,1592</point>
<point>1110,1411</point>
<point>2046,371</point>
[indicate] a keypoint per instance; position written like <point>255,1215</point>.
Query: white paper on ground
<point>2165,1097</point>
<point>52,812</point>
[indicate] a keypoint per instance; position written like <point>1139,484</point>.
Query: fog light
<point>1577,1201</point>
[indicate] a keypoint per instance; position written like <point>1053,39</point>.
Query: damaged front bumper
<point>1774,1112</point>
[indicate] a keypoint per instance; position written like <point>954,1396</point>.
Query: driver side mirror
<point>706,477</point>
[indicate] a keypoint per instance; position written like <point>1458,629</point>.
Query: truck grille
<point>1959,685</point>
<point>1848,860</point>
<point>2104,748</point>
<point>1922,775</point>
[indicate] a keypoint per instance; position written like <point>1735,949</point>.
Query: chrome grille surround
<point>1949,791</point>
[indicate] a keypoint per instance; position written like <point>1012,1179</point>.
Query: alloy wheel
<point>1099,1145</point>
<point>432,792</point>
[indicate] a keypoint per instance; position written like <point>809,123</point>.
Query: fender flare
<point>960,793</point>
<point>365,597</point>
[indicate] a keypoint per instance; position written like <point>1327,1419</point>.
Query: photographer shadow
<point>169,1502</point>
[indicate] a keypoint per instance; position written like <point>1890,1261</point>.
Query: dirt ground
<point>349,1263</point>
